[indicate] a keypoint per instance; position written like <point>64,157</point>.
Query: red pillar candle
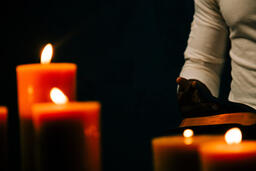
<point>177,152</point>
<point>34,82</point>
<point>68,136</point>
<point>3,115</point>
<point>3,138</point>
<point>229,156</point>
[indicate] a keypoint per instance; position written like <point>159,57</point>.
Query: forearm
<point>206,48</point>
<point>207,73</point>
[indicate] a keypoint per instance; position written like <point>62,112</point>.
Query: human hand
<point>195,99</point>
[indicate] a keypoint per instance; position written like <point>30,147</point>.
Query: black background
<point>128,53</point>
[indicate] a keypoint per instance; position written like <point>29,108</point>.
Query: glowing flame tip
<point>46,54</point>
<point>57,96</point>
<point>188,133</point>
<point>233,136</point>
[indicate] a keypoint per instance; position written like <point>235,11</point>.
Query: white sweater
<point>216,21</point>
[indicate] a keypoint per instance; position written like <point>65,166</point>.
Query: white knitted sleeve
<point>204,55</point>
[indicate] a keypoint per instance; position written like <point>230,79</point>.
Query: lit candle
<point>177,152</point>
<point>34,82</point>
<point>229,155</point>
<point>68,134</point>
<point>3,137</point>
<point>3,116</point>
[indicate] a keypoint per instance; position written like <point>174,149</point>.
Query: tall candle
<point>68,136</point>
<point>177,152</point>
<point>34,82</point>
<point>3,138</point>
<point>232,155</point>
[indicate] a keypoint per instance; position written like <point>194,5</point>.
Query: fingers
<point>203,90</point>
<point>181,80</point>
<point>184,84</point>
<point>194,84</point>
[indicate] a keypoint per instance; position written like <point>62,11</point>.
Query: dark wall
<point>128,53</point>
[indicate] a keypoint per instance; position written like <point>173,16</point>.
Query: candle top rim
<point>55,112</point>
<point>36,66</point>
<point>69,106</point>
<point>246,146</point>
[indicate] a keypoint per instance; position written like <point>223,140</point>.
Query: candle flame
<point>233,136</point>
<point>57,96</point>
<point>46,54</point>
<point>188,133</point>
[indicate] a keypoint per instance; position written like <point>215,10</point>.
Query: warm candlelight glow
<point>188,133</point>
<point>233,136</point>
<point>57,96</point>
<point>46,54</point>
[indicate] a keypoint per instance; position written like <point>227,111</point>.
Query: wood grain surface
<point>244,119</point>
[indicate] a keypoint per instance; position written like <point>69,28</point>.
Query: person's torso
<point>240,17</point>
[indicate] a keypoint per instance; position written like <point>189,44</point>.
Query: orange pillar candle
<point>178,152</point>
<point>3,137</point>
<point>232,155</point>
<point>68,135</point>
<point>34,82</point>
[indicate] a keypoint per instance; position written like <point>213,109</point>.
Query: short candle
<point>3,137</point>
<point>178,152</point>
<point>67,134</point>
<point>232,155</point>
